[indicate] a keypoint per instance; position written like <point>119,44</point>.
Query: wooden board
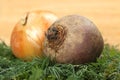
<point>104,13</point>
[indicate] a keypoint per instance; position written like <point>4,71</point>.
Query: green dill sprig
<point>107,67</point>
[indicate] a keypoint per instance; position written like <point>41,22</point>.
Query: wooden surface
<point>104,13</point>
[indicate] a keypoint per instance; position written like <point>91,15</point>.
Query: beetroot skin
<point>73,39</point>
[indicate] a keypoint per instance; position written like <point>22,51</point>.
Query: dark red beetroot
<point>73,39</point>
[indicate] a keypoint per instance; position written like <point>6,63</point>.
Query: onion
<point>28,34</point>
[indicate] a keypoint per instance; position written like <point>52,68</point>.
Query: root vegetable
<point>73,39</point>
<point>28,34</point>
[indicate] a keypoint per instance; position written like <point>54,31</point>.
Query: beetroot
<point>73,39</point>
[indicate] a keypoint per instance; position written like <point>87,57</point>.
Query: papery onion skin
<point>28,34</point>
<point>73,39</point>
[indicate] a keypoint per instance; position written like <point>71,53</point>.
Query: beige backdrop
<point>104,13</point>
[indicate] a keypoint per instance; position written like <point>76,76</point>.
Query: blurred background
<point>104,13</point>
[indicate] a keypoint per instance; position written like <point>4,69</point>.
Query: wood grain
<point>104,13</point>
